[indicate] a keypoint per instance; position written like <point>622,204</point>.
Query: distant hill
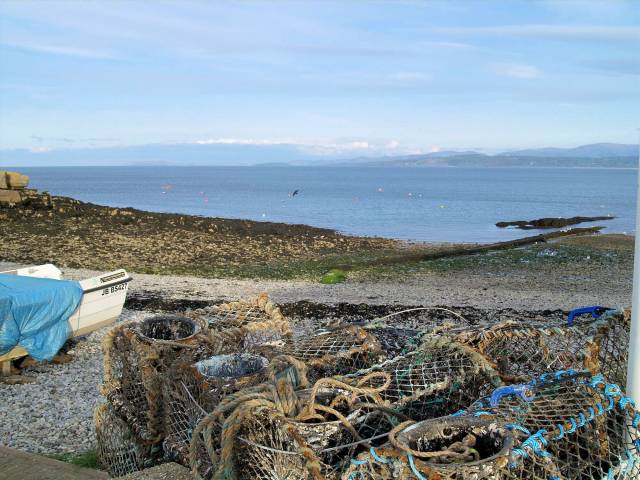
<point>595,150</point>
<point>611,155</point>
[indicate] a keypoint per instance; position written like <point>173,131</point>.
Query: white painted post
<point>633,369</point>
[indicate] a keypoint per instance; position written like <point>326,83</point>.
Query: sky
<point>368,77</point>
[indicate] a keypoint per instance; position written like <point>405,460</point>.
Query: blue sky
<point>361,77</point>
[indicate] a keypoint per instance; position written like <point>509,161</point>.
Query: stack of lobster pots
<point>238,391</point>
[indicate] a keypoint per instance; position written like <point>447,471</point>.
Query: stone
<point>3,180</point>
<point>10,197</point>
<point>16,181</point>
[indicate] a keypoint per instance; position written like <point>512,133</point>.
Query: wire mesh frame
<point>578,427</point>
<point>118,451</point>
<point>255,322</point>
<point>440,378</point>
<point>336,352</point>
<point>612,340</point>
<point>522,352</point>
<point>133,364</point>
<point>273,451</point>
<point>401,332</point>
<point>272,447</point>
<point>191,392</point>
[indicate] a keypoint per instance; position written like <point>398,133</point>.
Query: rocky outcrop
<point>15,180</point>
<point>14,192</point>
<point>541,223</point>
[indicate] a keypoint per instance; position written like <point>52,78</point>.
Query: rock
<point>10,198</point>
<point>16,181</point>
<point>558,222</point>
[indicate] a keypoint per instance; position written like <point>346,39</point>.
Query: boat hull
<point>101,305</point>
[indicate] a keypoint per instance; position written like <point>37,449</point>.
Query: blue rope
<point>359,462</point>
<point>631,461</point>
<point>561,435</point>
<point>583,420</point>
<point>592,414</point>
<point>519,428</point>
<point>559,374</point>
<point>414,469</point>
<point>376,457</point>
<point>352,476</point>
<point>479,414</point>
<point>624,401</point>
<point>519,452</point>
<point>597,380</point>
<point>573,425</point>
<point>612,403</point>
<point>537,443</point>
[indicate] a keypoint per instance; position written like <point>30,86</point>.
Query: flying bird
<point>295,192</point>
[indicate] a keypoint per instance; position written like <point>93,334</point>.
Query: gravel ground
<point>519,290</point>
<point>55,414</point>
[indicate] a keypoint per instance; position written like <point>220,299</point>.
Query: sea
<point>434,204</point>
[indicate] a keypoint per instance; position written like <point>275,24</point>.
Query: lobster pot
<point>118,451</point>
<point>612,340</point>
<point>447,448</point>
<point>272,431</point>
<point>193,390</point>
<point>523,352</point>
<point>577,426</point>
<point>440,378</point>
<point>270,447</point>
<point>457,448</point>
<point>402,332</point>
<point>135,355</point>
<point>244,325</point>
<point>336,352</point>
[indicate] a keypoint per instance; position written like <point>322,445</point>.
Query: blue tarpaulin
<point>34,314</point>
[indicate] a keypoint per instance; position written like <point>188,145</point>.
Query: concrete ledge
<point>18,465</point>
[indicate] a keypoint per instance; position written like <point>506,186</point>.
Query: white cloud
<point>393,144</point>
<point>568,32</point>
<point>41,149</point>
<point>516,70</point>
<point>242,141</point>
<point>61,50</point>
<point>353,145</point>
<point>357,146</point>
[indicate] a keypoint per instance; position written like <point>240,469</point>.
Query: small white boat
<point>101,303</point>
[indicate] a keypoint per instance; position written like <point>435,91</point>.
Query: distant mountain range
<point>594,155</point>
<point>612,155</point>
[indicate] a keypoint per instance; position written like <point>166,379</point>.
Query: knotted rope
<point>283,398</point>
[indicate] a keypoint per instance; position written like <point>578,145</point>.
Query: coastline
<point>182,256</point>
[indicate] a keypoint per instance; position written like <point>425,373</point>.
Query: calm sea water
<point>432,204</point>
